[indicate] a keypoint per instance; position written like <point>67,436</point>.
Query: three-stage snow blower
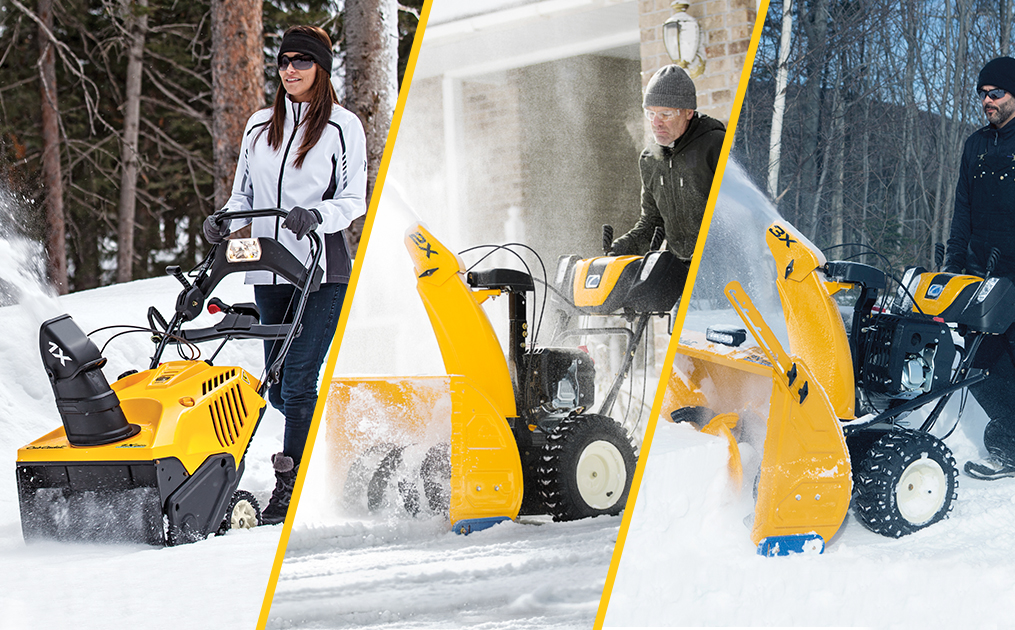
<point>157,456</point>
<point>522,435</point>
<point>837,426</point>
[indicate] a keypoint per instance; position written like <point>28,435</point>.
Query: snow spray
<point>23,265</point>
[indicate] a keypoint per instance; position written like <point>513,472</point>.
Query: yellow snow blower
<point>157,456</point>
<point>521,438</point>
<point>835,414</point>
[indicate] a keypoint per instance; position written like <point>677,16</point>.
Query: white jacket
<point>332,180</point>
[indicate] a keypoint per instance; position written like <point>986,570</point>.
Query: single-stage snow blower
<point>834,418</point>
<point>157,456</point>
<point>522,436</point>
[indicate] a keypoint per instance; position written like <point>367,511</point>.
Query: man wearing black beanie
<point>984,220</point>
<point>677,168</point>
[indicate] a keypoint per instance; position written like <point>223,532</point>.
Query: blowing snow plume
<point>23,265</point>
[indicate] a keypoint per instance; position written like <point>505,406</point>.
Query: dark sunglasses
<point>300,62</point>
<point>995,94</point>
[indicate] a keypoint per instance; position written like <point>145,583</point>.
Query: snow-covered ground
<point>688,559</point>
<point>215,583</point>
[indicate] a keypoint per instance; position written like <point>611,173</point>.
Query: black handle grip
<point>607,238</point>
<point>995,256</point>
<point>657,239</point>
<point>176,272</point>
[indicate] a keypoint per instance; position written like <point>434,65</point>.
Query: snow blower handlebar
<point>236,255</point>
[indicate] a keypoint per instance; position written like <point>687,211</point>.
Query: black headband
<point>307,45</point>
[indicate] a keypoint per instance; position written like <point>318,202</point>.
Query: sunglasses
<point>300,62</point>
<point>995,94</point>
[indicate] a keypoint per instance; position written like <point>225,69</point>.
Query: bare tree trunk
<point>371,28</point>
<point>815,24</point>
<point>838,141</point>
<point>237,78</point>
<point>52,175</point>
<point>135,20</point>
<point>1004,15</point>
<point>779,107</point>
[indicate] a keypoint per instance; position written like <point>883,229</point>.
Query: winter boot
<point>991,468</point>
<point>285,479</point>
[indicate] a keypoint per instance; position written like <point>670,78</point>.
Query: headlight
<point>243,250</point>
<point>985,288</point>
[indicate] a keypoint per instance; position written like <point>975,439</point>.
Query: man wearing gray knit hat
<point>984,221</point>
<point>676,169</point>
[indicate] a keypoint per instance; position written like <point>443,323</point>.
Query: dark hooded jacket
<point>675,183</point>
<point>985,204</point>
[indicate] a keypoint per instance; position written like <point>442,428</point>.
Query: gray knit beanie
<point>671,87</point>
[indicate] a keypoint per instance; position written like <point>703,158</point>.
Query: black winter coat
<point>985,204</point>
<point>675,183</point>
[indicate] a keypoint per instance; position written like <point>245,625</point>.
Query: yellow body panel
<point>805,482</point>
<point>816,331</point>
<point>486,466</point>
<point>951,290</point>
<point>185,409</point>
<point>602,287</point>
<point>723,425</point>
<point>468,343</point>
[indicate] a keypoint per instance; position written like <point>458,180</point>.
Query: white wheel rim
<point>602,475</point>
<point>243,516</point>
<point>921,491</point>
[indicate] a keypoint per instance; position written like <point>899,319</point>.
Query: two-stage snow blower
<point>836,417</point>
<point>522,437</point>
<point>157,456</point>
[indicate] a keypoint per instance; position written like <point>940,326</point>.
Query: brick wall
<point>726,27</point>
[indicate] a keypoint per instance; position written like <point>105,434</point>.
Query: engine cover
<point>558,380</point>
<point>902,357</point>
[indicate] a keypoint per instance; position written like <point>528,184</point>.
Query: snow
<point>215,583</point>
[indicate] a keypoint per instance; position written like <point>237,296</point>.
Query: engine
<point>902,357</point>
<point>559,380</point>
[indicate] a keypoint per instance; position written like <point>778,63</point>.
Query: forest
<point>120,119</point>
<point>871,101</point>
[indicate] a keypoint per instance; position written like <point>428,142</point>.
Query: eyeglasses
<point>666,116</point>
<point>994,95</point>
<point>300,62</point>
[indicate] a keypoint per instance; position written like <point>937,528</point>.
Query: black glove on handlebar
<point>300,221</point>
<point>215,230</point>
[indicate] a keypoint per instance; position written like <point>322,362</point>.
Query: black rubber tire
<point>240,500</point>
<point>558,474</point>
<point>907,481</point>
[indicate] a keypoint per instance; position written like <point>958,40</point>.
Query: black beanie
<point>998,72</point>
<point>307,45</point>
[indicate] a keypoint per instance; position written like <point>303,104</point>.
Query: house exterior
<point>524,118</point>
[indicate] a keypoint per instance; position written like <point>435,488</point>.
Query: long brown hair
<point>322,97</point>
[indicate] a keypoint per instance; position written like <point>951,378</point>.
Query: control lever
<point>995,256</point>
<point>607,239</point>
<point>176,272</point>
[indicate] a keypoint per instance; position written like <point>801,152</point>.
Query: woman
<point>305,154</point>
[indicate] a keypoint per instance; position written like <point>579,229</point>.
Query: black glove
<point>300,221</point>
<point>952,268</point>
<point>215,230</point>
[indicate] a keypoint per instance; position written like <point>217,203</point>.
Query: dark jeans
<point>295,395</point>
<point>996,394</point>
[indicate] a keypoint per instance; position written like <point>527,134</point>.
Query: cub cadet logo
<point>592,282</point>
<point>781,234</point>
<point>934,291</point>
<point>58,354</point>
<point>43,447</point>
<point>133,446</point>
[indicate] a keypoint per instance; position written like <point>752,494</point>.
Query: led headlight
<point>243,250</point>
